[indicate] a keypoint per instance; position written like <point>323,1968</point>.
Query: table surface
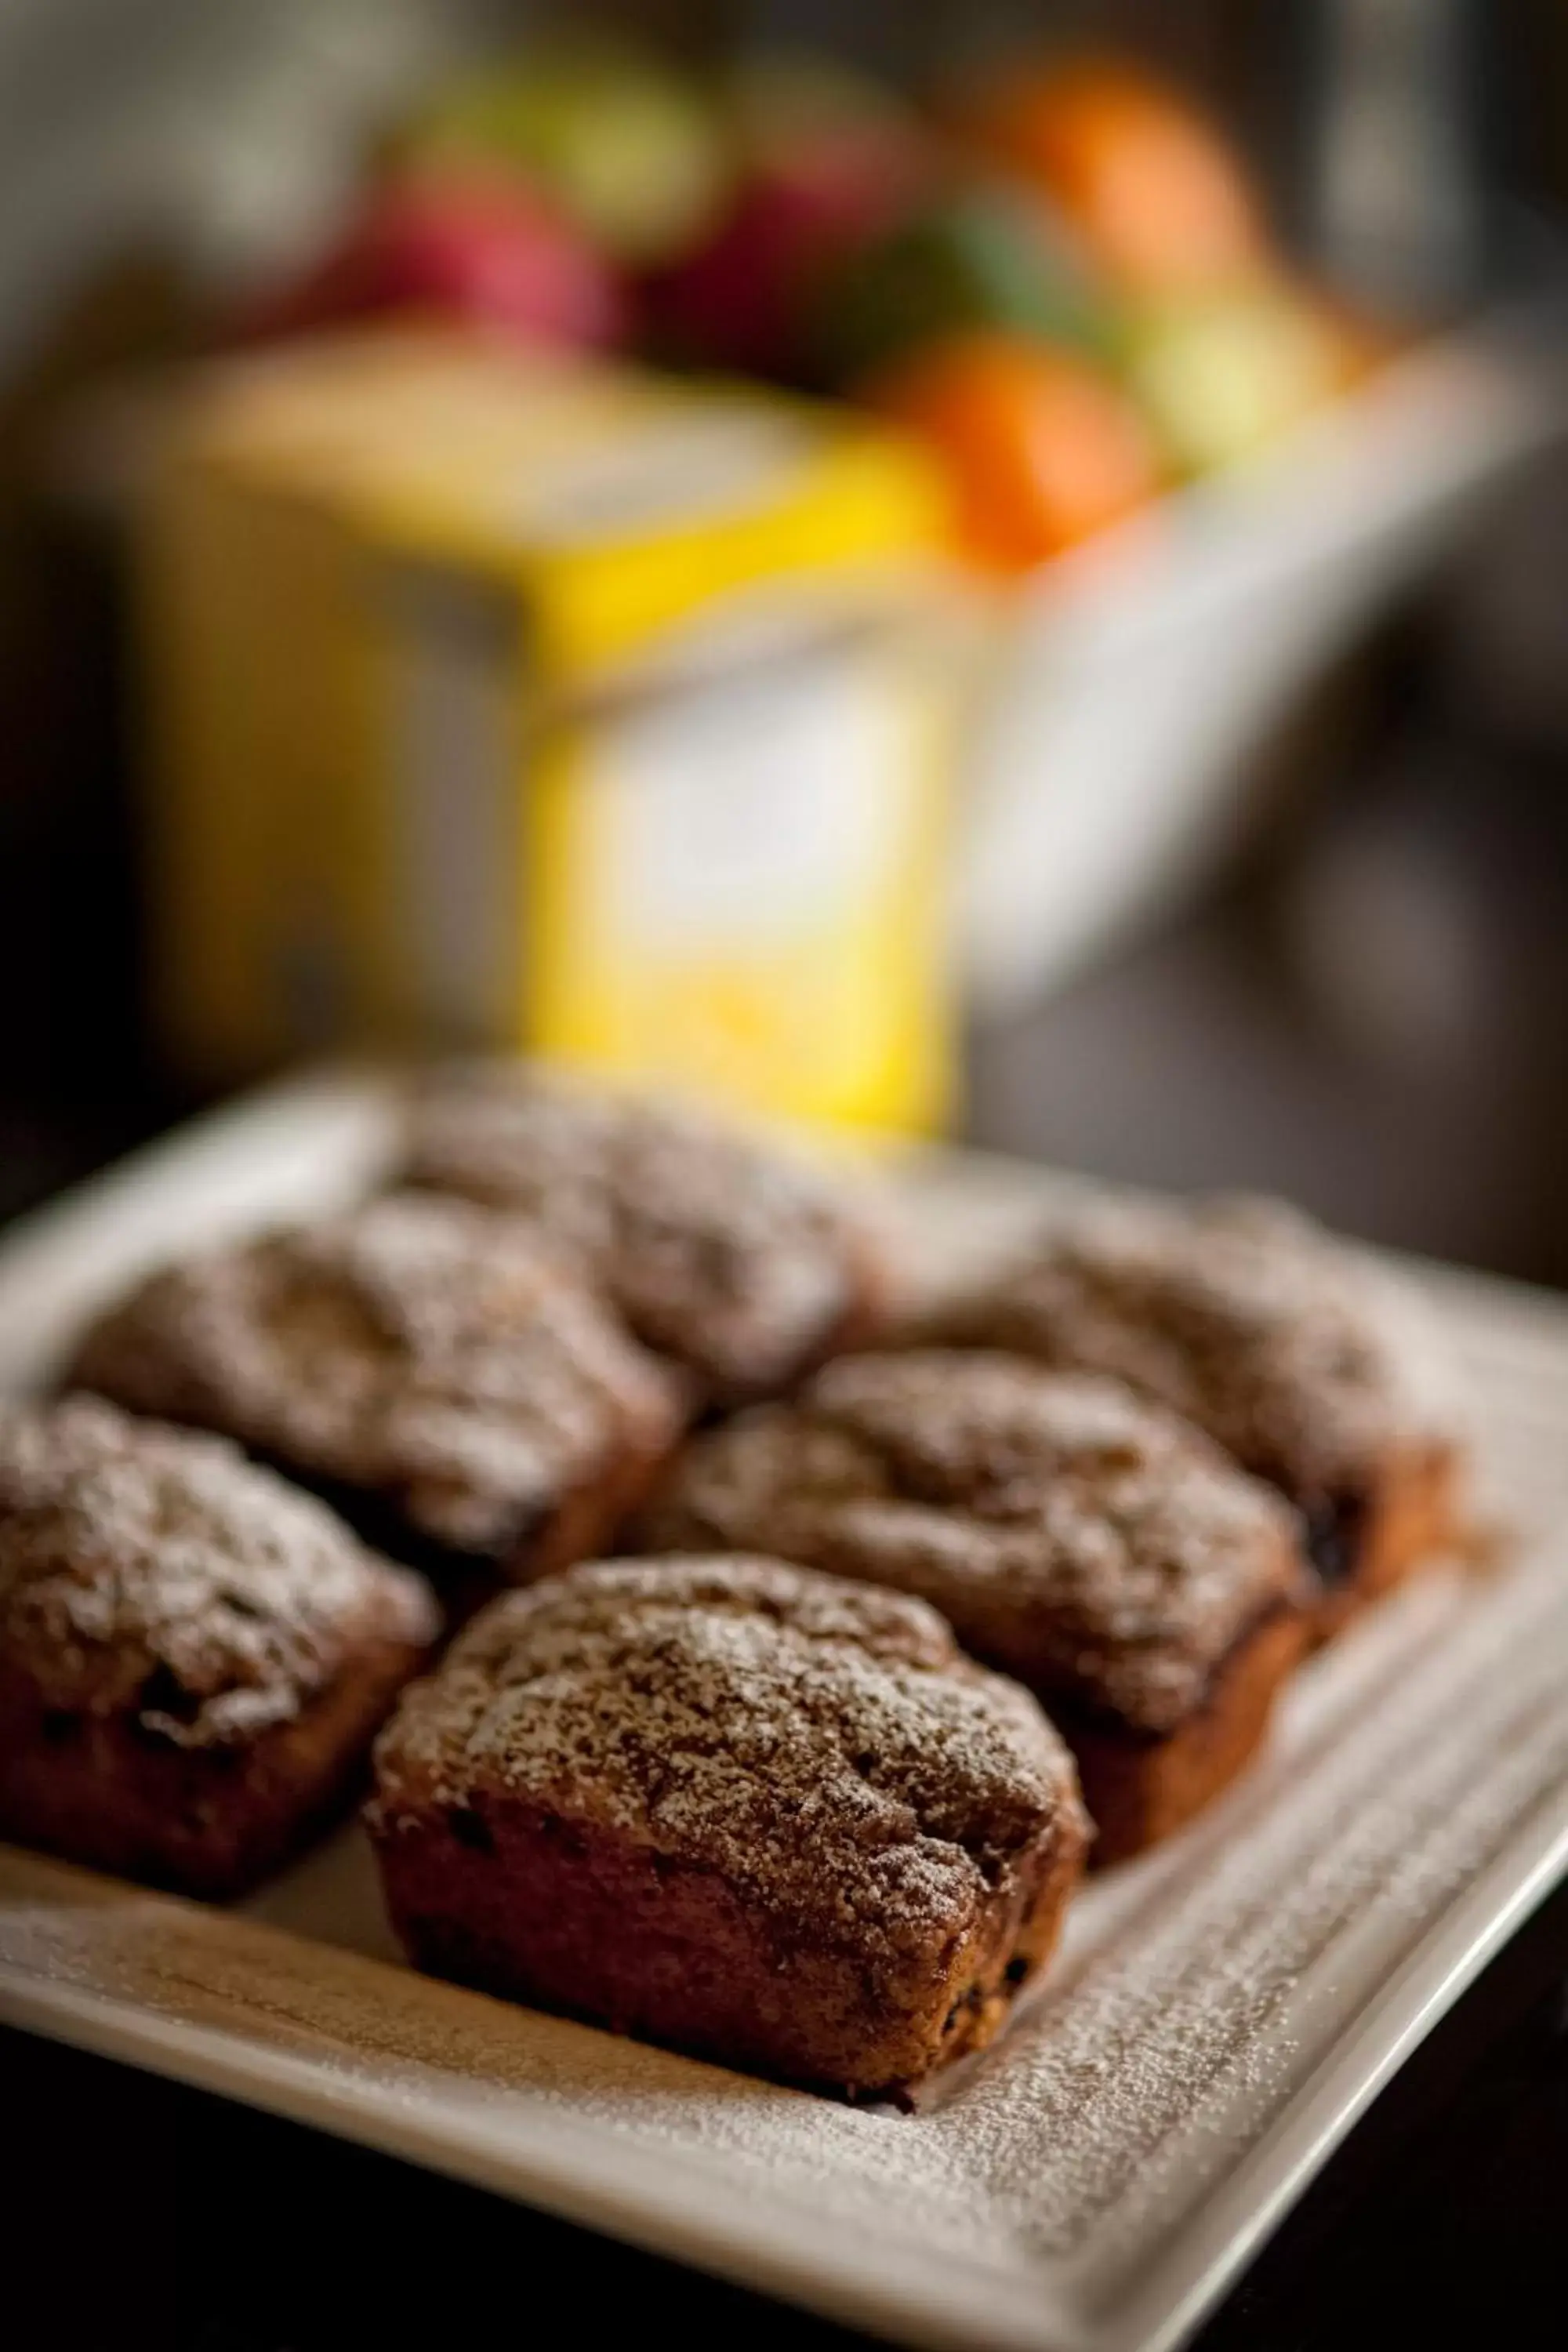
<point>144,2213</point>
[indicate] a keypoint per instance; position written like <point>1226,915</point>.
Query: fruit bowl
<point>1133,680</point>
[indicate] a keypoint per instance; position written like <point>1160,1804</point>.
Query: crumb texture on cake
<point>1296,1356</point>
<point>1073,1533</point>
<point>156,1573</point>
<point>422,1347</point>
<point>825,1751</point>
<point>719,1251</point>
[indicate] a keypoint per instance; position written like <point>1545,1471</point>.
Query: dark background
<point>1369,1010</point>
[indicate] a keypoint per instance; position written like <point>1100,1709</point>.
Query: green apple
<point>633,153</point>
<point>1220,377</point>
<point>979,256</point>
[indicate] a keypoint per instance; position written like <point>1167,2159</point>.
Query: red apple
<point>738,300</point>
<point>467,249</point>
<point>824,163</point>
<point>630,149</point>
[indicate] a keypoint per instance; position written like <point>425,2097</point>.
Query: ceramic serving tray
<point>1220,2013</point>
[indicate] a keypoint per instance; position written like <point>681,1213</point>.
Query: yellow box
<point>512,701</point>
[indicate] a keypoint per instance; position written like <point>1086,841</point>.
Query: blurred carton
<point>506,700</point>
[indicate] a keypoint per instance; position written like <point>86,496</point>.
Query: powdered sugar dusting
<point>1181,2014</point>
<point>1200,1989</point>
<point>419,1347</point>
<point>1185,2008</point>
<point>827,1750</point>
<point>1242,1315</point>
<point>722,1251</point>
<point>127,1548</point>
<point>1073,1535</point>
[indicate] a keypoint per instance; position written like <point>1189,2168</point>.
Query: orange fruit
<point>1157,199</point>
<point>1043,450</point>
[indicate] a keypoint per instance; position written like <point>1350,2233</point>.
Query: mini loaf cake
<point>194,1657</point>
<point>1095,1547</point>
<point>1250,1321</point>
<point>423,1362</point>
<point>763,1816</point>
<point>719,1253</point>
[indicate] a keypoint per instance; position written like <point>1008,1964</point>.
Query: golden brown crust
<point>424,1361</point>
<point>720,1252</point>
<point>192,1656</point>
<point>770,1816</point>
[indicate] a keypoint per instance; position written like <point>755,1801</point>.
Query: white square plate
<point>1219,2016</point>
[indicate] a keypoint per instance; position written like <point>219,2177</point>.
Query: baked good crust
<point>770,1818</point>
<point>722,1253</point>
<point>1412,1512</point>
<point>1140,1792</point>
<point>1077,1538</point>
<point>214,1823</point>
<point>423,1362</point>
<point>194,1657</point>
<point>1305,1364</point>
